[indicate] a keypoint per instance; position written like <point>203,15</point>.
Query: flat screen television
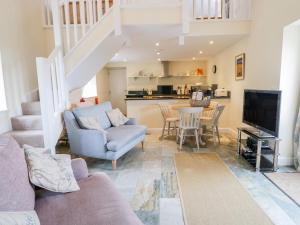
<point>262,110</point>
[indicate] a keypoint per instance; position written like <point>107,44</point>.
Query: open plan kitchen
<point>138,88</point>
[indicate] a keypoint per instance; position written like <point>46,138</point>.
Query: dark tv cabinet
<point>262,153</point>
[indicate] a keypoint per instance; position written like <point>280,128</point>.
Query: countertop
<point>167,97</point>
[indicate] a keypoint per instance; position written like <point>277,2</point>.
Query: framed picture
<point>240,67</point>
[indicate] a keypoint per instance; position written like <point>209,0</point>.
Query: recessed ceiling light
<point>200,52</point>
<point>211,42</point>
<point>157,43</point>
<point>194,58</point>
<point>125,60</point>
<point>157,53</point>
<point>158,59</point>
<point>116,54</point>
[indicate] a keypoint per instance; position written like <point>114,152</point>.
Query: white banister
<point>75,18</point>
<point>82,16</point>
<point>90,12</point>
<point>106,6</point>
<point>52,96</point>
<point>94,11</point>
<point>99,5</point>
<point>67,21</point>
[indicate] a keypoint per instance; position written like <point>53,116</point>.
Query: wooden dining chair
<point>189,124</point>
<point>169,119</point>
<point>211,122</point>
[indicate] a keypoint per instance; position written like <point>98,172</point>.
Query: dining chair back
<point>189,121</point>
<point>169,119</point>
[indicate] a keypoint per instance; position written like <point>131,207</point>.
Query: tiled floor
<point>148,181</point>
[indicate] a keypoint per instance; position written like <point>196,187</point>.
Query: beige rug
<point>288,183</point>
<point>212,195</point>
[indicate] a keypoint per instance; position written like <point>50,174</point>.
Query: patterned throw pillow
<point>116,117</point>
<point>90,123</point>
<point>19,218</point>
<point>53,173</point>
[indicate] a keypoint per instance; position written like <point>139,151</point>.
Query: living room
<point>137,165</point>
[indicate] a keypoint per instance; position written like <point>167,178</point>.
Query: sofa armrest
<point>91,143</point>
<point>131,121</point>
<point>80,169</point>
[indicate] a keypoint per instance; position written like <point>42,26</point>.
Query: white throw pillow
<point>19,218</point>
<point>90,123</point>
<point>116,117</point>
<point>53,173</point>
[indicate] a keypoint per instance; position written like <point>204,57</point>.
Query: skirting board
<point>229,131</point>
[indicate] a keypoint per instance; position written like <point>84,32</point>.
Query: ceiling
<point>141,44</point>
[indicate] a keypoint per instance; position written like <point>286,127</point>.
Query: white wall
<point>156,69</point>
<point>21,40</point>
<point>290,86</point>
<point>263,48</point>
<point>103,85</point>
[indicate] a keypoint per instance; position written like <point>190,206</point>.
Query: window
<point>90,89</point>
<point>3,105</point>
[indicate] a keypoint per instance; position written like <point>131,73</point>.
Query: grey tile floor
<point>147,179</point>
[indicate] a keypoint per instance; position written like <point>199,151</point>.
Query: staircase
<point>88,33</point>
<point>27,128</point>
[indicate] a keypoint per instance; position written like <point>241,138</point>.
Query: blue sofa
<point>96,144</point>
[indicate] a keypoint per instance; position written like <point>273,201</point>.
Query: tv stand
<point>259,152</point>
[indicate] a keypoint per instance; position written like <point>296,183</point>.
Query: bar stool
<point>169,118</point>
<point>189,124</point>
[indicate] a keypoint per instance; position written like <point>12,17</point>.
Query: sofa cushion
<point>16,191</point>
<point>116,117</point>
<point>118,137</point>
<point>97,203</point>
<point>98,111</point>
<point>53,173</point>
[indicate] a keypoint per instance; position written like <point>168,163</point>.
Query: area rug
<point>289,183</point>
<point>212,195</point>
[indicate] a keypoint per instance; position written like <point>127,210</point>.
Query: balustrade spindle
<point>82,16</point>
<point>90,12</point>
<point>106,6</point>
<point>67,20</point>
<point>94,11</point>
<point>75,18</point>
<point>48,11</point>
<point>99,9</point>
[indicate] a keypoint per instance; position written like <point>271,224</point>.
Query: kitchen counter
<point>165,97</point>
<point>147,112</point>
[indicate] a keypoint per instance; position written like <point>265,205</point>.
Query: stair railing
<point>77,18</point>
<point>221,9</point>
<point>51,83</point>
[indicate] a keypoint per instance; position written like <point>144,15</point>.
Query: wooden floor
<point>212,195</point>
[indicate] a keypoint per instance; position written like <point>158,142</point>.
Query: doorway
<point>118,88</point>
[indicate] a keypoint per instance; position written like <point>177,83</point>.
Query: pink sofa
<point>97,203</point>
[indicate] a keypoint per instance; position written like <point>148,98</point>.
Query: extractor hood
<point>166,68</point>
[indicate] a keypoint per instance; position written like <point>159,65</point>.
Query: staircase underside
<point>100,44</point>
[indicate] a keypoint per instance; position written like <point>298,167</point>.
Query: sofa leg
<point>142,145</point>
<point>114,164</point>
